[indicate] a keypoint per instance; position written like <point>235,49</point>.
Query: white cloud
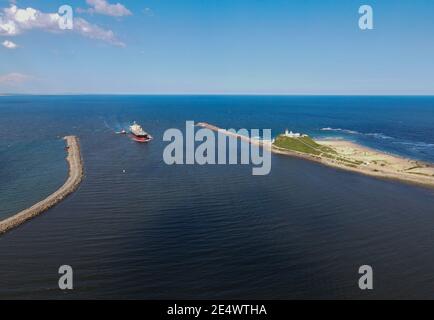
<point>9,44</point>
<point>14,78</point>
<point>92,31</point>
<point>14,21</point>
<point>105,8</point>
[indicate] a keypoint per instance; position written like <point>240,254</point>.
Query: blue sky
<point>222,46</point>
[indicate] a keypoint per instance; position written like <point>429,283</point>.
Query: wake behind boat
<point>138,134</point>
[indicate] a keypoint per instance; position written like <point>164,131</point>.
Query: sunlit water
<point>158,231</point>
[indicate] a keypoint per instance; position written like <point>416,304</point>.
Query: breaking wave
<point>375,134</point>
<point>340,130</point>
<point>418,145</point>
<point>378,135</point>
<point>410,146</point>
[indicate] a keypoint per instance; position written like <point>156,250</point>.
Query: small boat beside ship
<point>138,134</point>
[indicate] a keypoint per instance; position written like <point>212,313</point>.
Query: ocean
<point>138,228</point>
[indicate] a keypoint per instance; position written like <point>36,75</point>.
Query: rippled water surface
<point>158,231</point>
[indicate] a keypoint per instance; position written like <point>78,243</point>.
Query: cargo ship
<point>138,134</point>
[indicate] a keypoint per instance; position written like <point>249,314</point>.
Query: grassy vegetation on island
<point>302,144</point>
<point>305,144</point>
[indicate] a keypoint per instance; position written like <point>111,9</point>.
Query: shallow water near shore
<point>159,231</point>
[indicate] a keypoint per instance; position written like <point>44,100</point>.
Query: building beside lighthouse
<point>291,134</point>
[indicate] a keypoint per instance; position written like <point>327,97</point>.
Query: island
<point>74,179</point>
<point>345,155</point>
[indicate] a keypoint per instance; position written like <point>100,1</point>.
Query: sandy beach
<point>381,164</point>
<point>74,178</point>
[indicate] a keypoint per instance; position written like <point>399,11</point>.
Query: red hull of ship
<point>141,139</point>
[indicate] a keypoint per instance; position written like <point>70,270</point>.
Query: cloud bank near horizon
<point>14,78</point>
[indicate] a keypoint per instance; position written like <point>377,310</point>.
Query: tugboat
<point>138,134</point>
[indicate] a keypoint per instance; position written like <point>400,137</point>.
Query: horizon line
<point>224,94</point>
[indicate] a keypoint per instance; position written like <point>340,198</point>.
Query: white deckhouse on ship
<point>139,134</point>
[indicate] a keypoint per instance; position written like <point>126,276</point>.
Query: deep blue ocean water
<point>159,231</point>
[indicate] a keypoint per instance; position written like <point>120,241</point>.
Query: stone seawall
<point>74,179</point>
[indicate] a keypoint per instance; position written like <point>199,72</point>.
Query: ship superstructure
<point>139,134</point>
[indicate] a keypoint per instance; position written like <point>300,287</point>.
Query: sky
<point>217,47</point>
